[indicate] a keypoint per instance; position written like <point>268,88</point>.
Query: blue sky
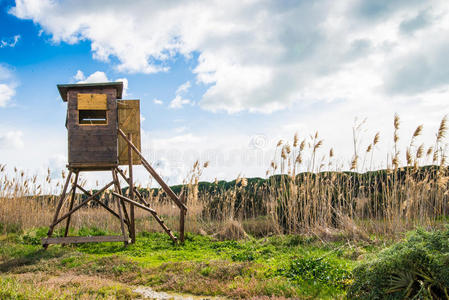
<point>223,80</point>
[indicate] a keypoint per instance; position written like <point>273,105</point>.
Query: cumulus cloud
<point>98,77</point>
<point>378,9</point>
<point>79,76</point>
<point>263,56</point>
<point>179,102</point>
<point>7,86</point>
<point>11,43</point>
<point>422,69</point>
<point>420,21</point>
<point>95,77</point>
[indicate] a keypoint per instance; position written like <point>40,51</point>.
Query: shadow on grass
<point>31,258</point>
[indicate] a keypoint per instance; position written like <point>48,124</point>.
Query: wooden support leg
<point>58,208</point>
<point>152,211</point>
<point>119,206</point>
<point>182,216</point>
<point>125,212</point>
<point>164,186</point>
<point>131,192</point>
<point>72,200</point>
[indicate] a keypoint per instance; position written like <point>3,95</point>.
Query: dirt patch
<point>148,292</point>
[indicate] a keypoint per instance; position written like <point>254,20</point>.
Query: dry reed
<point>296,197</point>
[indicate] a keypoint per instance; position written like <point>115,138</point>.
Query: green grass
<point>288,266</point>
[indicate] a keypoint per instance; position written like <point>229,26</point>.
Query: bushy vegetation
<point>313,270</point>
<point>417,268</point>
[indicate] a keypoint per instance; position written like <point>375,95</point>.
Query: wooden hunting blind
<point>104,133</point>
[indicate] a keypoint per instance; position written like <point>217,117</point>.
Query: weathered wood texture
<point>84,239</point>
<point>92,144</point>
<point>128,122</point>
<point>182,215</point>
<point>72,201</point>
<point>120,204</point>
<point>131,192</point>
<point>92,101</point>
<point>94,120</point>
<point>64,88</point>
<point>133,202</point>
<point>91,166</point>
<point>58,208</point>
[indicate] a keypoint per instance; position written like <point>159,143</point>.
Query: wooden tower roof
<point>64,88</point>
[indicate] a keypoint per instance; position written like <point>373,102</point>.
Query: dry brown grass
<point>316,202</point>
<point>63,286</point>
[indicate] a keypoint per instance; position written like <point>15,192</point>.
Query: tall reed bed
<point>304,192</point>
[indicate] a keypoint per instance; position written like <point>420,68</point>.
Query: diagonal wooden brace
<point>153,212</point>
<point>153,173</point>
<point>134,202</point>
<point>101,203</point>
<point>81,205</point>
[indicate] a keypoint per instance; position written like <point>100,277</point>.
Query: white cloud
<point>260,56</point>
<point>9,42</point>
<point>326,61</point>
<point>95,77</point>
<point>179,102</point>
<point>125,86</point>
<point>79,76</point>
<point>183,88</point>
<point>11,140</point>
<point>7,86</point>
<point>6,94</point>
<point>5,73</point>
<point>98,77</point>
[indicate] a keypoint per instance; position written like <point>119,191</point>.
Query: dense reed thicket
<point>303,192</point>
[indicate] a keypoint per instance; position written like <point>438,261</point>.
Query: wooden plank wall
<point>129,122</point>
<point>92,101</point>
<point>92,143</point>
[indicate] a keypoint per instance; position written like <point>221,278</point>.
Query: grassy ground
<point>280,266</point>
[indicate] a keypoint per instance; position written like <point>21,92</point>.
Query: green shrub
<point>316,270</point>
<point>417,268</point>
<point>34,236</point>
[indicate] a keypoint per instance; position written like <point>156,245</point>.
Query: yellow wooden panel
<point>129,122</point>
<point>93,101</point>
